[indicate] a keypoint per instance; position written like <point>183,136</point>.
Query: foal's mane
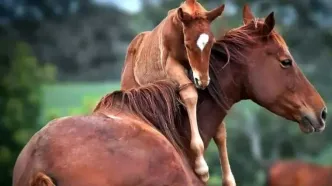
<point>231,48</point>
<point>156,103</point>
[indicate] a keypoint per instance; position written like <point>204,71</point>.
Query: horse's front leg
<point>189,97</point>
<point>220,140</point>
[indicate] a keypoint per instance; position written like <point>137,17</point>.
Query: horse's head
<point>274,79</point>
<point>198,38</point>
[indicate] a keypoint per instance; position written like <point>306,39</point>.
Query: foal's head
<point>198,38</point>
<point>274,80</point>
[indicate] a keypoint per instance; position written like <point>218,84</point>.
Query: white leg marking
<point>202,168</point>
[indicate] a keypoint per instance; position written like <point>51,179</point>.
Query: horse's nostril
<point>323,114</point>
<point>196,81</point>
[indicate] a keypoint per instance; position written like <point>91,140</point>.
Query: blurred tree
<point>84,40</point>
<point>21,78</point>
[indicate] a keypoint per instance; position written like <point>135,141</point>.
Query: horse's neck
<point>210,113</point>
<point>173,36</point>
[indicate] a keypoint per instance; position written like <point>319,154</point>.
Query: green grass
<point>65,99</point>
<point>62,99</point>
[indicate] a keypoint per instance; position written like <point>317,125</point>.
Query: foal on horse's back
<point>182,41</point>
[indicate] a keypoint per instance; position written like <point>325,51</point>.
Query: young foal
<point>163,53</point>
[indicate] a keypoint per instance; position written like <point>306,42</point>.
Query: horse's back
<point>143,58</point>
<point>128,77</point>
<point>298,173</point>
<point>92,150</point>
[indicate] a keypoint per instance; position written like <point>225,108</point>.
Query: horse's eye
<point>286,63</point>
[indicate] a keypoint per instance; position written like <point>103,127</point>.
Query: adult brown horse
<point>281,54</point>
<point>117,145</point>
<point>298,173</point>
<point>182,40</point>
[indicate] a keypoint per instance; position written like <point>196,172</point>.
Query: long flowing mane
<point>232,48</point>
<point>159,104</point>
<point>156,103</point>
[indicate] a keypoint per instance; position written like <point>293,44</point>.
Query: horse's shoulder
<point>136,42</point>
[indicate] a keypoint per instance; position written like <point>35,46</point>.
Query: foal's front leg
<point>220,140</point>
<point>189,96</point>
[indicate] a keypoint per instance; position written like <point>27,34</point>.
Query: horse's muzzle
<point>201,84</point>
<point>311,122</point>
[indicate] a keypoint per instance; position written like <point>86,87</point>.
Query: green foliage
<point>21,78</point>
<point>72,98</point>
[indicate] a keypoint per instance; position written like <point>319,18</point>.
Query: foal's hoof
<point>229,181</point>
<point>205,177</point>
<point>228,184</point>
<point>202,169</point>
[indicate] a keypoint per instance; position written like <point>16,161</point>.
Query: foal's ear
<point>247,14</point>
<point>268,24</point>
<point>213,14</point>
<point>183,16</point>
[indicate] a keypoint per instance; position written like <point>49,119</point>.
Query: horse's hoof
<point>205,177</point>
<point>229,182</point>
<point>202,169</point>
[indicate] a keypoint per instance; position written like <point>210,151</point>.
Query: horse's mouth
<point>200,86</point>
<point>307,126</point>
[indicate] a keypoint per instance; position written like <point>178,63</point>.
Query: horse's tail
<point>41,179</point>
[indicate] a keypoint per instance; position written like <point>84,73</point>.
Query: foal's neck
<point>173,31</point>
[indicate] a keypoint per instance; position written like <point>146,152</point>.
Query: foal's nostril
<point>323,114</point>
<point>196,81</point>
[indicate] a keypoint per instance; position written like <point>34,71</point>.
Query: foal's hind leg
<point>220,140</point>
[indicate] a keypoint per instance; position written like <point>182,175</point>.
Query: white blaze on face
<point>202,41</point>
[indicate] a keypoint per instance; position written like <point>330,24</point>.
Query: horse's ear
<point>213,14</point>
<point>247,14</point>
<point>183,16</point>
<point>268,24</point>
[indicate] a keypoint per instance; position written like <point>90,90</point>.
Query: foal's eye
<point>286,63</point>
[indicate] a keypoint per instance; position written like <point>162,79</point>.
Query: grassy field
<point>70,98</point>
<point>63,99</point>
